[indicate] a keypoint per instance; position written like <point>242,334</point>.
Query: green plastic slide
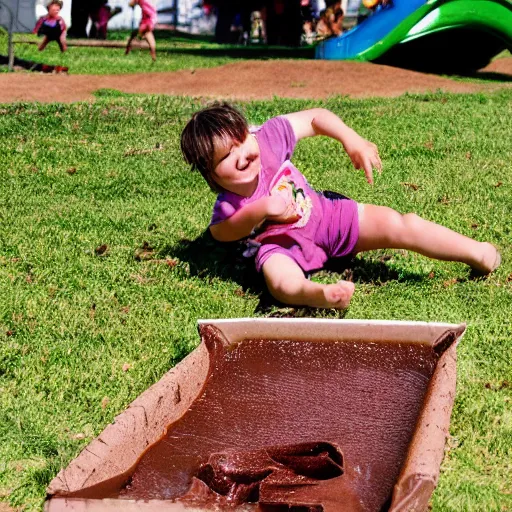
<point>444,35</point>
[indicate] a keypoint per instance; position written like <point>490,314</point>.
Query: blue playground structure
<point>436,35</point>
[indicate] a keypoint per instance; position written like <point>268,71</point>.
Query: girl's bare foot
<point>338,295</point>
<point>489,261</point>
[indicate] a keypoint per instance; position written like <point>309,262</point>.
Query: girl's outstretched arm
<point>320,121</point>
<point>38,25</point>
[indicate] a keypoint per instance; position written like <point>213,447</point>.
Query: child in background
<point>257,28</point>
<point>52,27</point>
<point>337,21</point>
<point>100,14</point>
<point>335,16</point>
<point>146,26</point>
<point>323,25</point>
<point>295,228</point>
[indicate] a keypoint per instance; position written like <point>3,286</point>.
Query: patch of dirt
<point>253,80</point>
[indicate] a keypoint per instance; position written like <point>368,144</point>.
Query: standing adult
<point>79,18</point>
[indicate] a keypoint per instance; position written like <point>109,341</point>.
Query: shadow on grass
<point>480,76</point>
<point>27,64</point>
<point>205,46</point>
<point>246,52</point>
<point>489,76</point>
<point>209,259</point>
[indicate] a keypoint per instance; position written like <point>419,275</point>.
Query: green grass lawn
<point>175,51</point>
<point>104,269</point>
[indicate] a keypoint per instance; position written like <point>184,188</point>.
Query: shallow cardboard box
<point>114,452</point>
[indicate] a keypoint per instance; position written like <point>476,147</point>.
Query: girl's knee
<point>413,223</point>
<point>410,219</point>
<point>403,221</point>
<point>401,226</point>
<point>283,276</point>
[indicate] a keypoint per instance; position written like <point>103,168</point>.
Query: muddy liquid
<point>363,398</point>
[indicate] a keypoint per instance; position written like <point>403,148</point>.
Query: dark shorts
<point>52,33</point>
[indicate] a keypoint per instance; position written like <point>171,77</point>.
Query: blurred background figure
<point>146,26</point>
<point>308,21</point>
<point>335,17</point>
<point>226,11</point>
<point>79,19</point>
<point>323,25</point>
<point>331,20</point>
<point>337,23</point>
<point>275,22</point>
<point>100,13</point>
<point>52,27</point>
<point>309,32</point>
<point>258,34</point>
<point>283,22</point>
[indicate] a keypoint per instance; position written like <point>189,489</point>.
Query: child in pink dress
<point>295,228</point>
<point>52,27</point>
<point>146,26</point>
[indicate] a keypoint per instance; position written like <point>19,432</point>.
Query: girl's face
<point>54,10</point>
<point>236,165</point>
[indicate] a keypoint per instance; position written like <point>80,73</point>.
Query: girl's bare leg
<point>381,227</point>
<point>150,38</point>
<point>287,283</point>
<point>63,45</point>
<point>43,44</point>
<point>130,41</point>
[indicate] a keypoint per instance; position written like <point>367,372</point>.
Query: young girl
<point>52,27</point>
<point>146,26</point>
<point>297,228</point>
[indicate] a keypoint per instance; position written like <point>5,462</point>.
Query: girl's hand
<point>280,210</point>
<point>364,155</point>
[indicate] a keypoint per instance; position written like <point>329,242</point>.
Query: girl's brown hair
<point>218,121</point>
<point>55,2</point>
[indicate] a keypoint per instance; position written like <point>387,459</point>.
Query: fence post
<point>10,29</point>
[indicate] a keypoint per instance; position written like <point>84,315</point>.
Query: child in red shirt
<point>52,27</point>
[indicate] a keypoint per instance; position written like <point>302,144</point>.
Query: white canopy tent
<point>22,12</point>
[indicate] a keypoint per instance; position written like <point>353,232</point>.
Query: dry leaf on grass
<point>101,249</point>
<point>413,186</point>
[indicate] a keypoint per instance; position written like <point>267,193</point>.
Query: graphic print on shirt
<point>287,184</point>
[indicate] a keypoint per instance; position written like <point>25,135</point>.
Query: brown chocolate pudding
<point>284,425</point>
